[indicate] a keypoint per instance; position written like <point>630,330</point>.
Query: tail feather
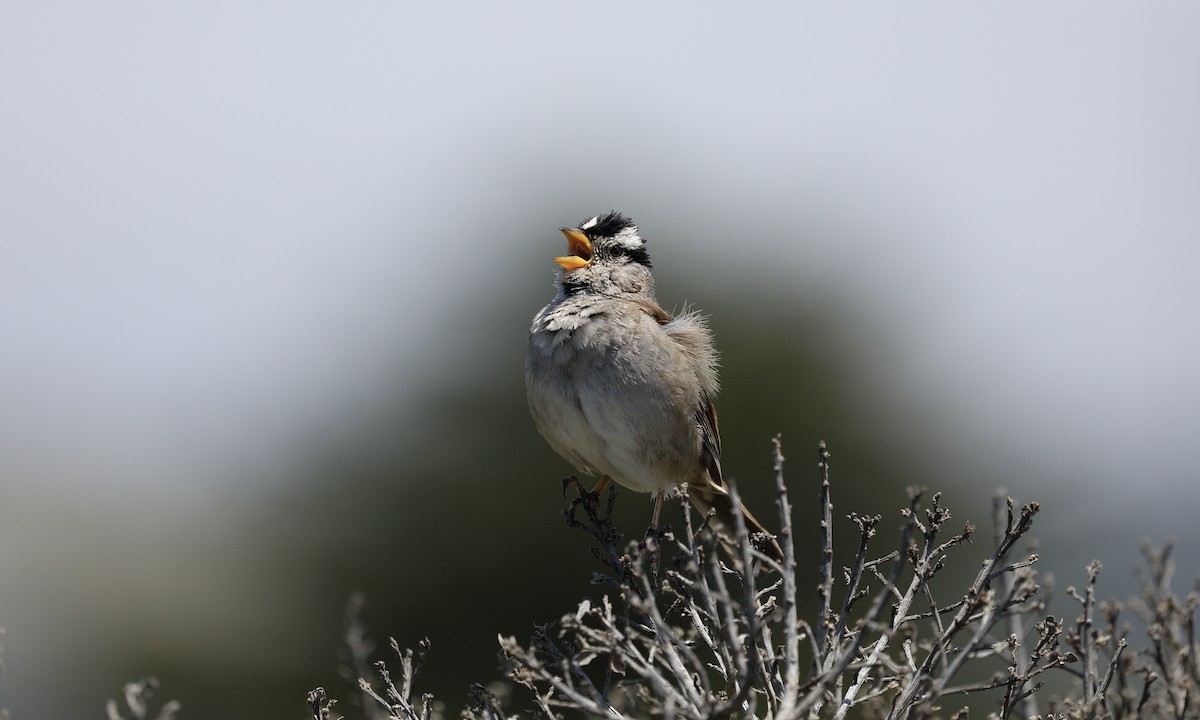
<point>716,498</point>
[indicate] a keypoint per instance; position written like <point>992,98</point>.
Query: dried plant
<point>695,625</point>
<point>137,703</point>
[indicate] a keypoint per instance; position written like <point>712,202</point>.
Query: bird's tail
<point>716,498</point>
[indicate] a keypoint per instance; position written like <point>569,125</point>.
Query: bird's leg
<point>604,481</point>
<point>591,497</point>
<point>652,531</point>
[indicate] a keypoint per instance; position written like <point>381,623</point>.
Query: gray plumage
<point>619,387</point>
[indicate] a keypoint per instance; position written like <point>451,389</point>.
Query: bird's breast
<point>606,395</point>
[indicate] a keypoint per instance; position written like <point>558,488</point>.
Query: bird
<point>622,389</point>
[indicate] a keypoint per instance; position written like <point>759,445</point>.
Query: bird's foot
<point>569,481</point>
<point>592,497</point>
<point>583,496</point>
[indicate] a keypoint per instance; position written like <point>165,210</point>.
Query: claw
<point>567,481</point>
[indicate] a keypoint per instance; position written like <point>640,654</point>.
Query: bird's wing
<point>690,331</point>
<point>710,440</point>
<point>654,310</point>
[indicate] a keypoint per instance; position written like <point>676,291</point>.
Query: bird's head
<point>606,256</point>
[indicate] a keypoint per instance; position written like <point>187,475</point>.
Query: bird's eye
<point>637,255</point>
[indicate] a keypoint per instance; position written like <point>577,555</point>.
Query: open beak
<point>579,247</point>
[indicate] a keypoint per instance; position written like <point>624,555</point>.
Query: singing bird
<point>618,386</point>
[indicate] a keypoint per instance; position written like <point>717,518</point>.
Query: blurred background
<point>266,273</point>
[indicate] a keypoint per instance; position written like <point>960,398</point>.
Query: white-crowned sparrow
<point>618,386</point>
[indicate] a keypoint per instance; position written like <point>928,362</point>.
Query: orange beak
<point>579,247</point>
